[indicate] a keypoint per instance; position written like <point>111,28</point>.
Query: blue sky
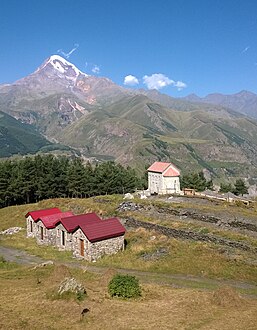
<point>179,47</point>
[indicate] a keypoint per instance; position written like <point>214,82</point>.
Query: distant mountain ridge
<point>244,102</point>
<point>134,127</point>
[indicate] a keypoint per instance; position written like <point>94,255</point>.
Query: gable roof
<point>159,167</point>
<point>41,213</point>
<point>171,172</point>
<point>51,220</point>
<point>70,223</point>
<point>168,169</point>
<point>104,229</point>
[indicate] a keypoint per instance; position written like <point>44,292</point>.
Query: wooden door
<point>82,247</point>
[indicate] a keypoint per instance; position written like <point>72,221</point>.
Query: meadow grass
<point>182,257</point>
<point>26,303</point>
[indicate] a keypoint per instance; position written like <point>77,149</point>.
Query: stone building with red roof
<point>87,235</point>
<point>92,241</point>
<point>32,216</point>
<point>163,178</point>
<point>65,227</point>
<point>45,232</point>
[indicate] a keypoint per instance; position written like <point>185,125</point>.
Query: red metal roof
<point>51,220</point>
<point>73,222</point>
<point>171,172</point>
<point>158,167</point>
<point>41,213</point>
<point>104,229</point>
<point>168,169</point>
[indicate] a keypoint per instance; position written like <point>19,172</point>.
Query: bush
<point>124,286</point>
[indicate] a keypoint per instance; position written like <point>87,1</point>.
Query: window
<point>63,237</point>
<point>31,226</point>
<point>41,233</point>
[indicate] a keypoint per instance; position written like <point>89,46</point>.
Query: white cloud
<point>67,55</point>
<point>180,85</point>
<point>159,80</point>
<point>96,69</point>
<point>130,80</point>
<point>245,49</point>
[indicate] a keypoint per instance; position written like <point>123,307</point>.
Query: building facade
<point>163,178</point>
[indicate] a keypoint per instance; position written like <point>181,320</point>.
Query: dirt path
<point>174,280</point>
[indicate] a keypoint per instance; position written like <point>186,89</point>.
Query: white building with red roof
<point>163,178</point>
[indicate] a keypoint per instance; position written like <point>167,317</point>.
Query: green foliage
<point>240,187</point>
<point>196,181</point>
<point>33,179</point>
<point>124,286</point>
<point>226,187</point>
<point>18,138</point>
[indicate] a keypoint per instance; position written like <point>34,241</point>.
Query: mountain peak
<point>62,66</point>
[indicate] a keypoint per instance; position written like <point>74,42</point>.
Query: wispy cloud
<point>245,49</point>
<point>159,80</point>
<point>67,55</point>
<point>130,80</point>
<point>96,69</point>
<point>180,85</point>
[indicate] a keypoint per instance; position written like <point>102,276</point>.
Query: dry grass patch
<point>24,304</point>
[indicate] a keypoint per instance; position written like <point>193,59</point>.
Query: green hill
<point>18,138</point>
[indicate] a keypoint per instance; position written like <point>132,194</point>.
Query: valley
<point>102,120</point>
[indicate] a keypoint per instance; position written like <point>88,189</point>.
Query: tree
<point>195,181</point>
<point>226,187</point>
<point>240,188</point>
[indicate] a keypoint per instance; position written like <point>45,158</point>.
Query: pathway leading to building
<point>174,280</point>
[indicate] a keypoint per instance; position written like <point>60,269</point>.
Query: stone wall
<point>186,234</point>
<point>93,251</point>
<point>48,234</point>
<point>68,238</point>
<point>30,225</point>
<point>208,218</point>
<point>107,246</point>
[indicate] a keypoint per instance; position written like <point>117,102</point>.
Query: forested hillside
<point>33,179</point>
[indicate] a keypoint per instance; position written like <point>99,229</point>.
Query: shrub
<point>124,286</point>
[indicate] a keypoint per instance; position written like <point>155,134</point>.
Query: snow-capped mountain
<point>62,68</point>
<point>57,75</point>
<point>54,73</point>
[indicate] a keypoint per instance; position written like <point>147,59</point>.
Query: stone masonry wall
<point>48,234</point>
<point>107,246</point>
<point>186,234</point>
<point>30,233</point>
<point>93,251</point>
<point>68,239</point>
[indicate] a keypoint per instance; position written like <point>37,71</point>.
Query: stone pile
<point>155,255</point>
<point>11,231</point>
<point>130,206</point>
<point>70,284</point>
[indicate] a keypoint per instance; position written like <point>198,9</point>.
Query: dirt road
<point>174,280</point>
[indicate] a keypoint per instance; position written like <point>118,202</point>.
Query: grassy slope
<point>160,306</point>
<point>16,137</point>
<point>128,129</point>
<point>184,257</point>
